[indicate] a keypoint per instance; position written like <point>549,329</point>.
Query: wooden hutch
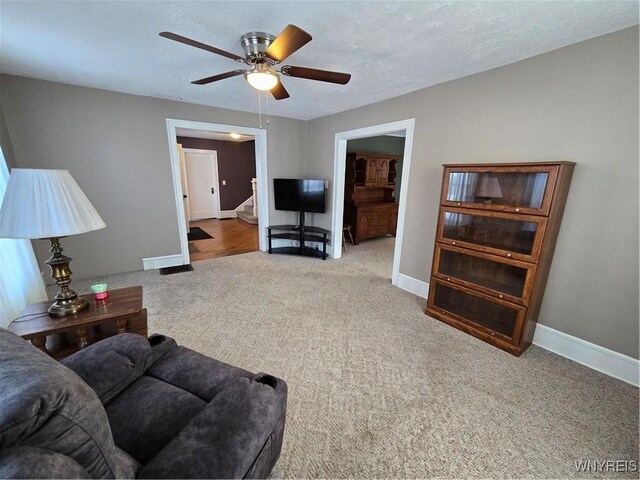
<point>496,234</point>
<point>369,205</point>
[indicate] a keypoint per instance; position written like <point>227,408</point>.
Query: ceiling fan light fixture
<point>261,77</point>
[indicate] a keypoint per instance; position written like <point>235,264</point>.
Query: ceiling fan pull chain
<point>259,110</point>
<point>266,102</point>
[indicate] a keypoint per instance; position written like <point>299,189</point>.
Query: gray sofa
<point>131,407</point>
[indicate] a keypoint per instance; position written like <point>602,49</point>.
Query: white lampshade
<point>45,204</point>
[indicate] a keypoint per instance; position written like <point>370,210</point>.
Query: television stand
<point>302,234</point>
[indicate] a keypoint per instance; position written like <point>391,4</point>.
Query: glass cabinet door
<point>512,236</point>
<point>495,317</point>
<point>504,278</point>
<point>511,189</point>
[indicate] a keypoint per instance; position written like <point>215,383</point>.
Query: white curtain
<point>20,280</point>
<point>461,186</point>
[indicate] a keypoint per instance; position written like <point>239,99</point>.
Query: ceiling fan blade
<point>203,46</point>
<point>313,74</point>
<point>220,76</point>
<point>290,39</point>
<point>279,92</point>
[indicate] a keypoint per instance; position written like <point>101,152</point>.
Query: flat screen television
<point>299,195</point>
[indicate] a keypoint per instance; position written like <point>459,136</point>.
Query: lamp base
<point>67,301</point>
<point>62,308</point>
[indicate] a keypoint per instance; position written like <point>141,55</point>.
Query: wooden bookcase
<point>369,205</point>
<point>496,234</point>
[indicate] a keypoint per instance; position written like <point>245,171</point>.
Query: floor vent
<point>176,269</point>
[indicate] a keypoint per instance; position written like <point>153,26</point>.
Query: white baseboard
<point>152,263</point>
<point>589,354</point>
<point>413,285</point>
<point>594,356</point>
<point>227,214</point>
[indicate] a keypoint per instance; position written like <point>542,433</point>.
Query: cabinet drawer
<point>495,317</point>
<point>503,234</point>
<point>516,189</point>
<point>497,276</point>
<point>379,218</point>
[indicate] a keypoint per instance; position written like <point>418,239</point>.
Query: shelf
<point>314,238</point>
<point>286,236</point>
<point>300,235</point>
<point>283,227</point>
<point>307,252</point>
<point>316,230</point>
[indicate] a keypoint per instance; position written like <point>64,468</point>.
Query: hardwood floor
<point>230,237</point>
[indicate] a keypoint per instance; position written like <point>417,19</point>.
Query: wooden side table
<point>60,337</point>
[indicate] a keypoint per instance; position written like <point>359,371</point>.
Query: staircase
<point>250,212</point>
<point>247,215</point>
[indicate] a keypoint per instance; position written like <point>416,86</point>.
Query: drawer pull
<point>448,279</point>
<point>517,209</point>
<point>453,243</point>
<point>459,204</point>
<point>493,334</point>
<point>500,296</point>
<point>509,255</point>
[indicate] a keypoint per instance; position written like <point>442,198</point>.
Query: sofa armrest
<point>33,462</point>
<point>112,364</point>
<point>227,437</point>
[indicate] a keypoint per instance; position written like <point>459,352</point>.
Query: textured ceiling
<point>389,47</point>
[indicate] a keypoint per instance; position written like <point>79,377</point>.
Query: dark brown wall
<point>236,165</point>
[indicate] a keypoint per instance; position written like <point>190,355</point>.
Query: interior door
<point>202,180</point>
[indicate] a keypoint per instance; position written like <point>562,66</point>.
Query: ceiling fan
<point>263,52</point>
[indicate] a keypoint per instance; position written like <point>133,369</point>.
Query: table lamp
<point>488,188</point>
<point>48,204</point>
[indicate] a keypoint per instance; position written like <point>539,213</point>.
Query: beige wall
<point>116,147</point>
<point>579,103</point>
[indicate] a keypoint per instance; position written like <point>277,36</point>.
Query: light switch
<point>224,182</point>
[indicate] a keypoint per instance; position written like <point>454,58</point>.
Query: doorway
<point>341,139</point>
<point>261,195</point>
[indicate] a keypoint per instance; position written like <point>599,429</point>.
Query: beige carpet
<point>378,389</point>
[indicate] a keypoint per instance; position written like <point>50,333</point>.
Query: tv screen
<point>299,195</point>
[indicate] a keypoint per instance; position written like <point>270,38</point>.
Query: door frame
<point>184,184</point>
<point>260,137</point>
<point>339,170</point>
<point>215,167</point>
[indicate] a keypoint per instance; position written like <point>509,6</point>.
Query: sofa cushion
<point>33,462</point>
<point>44,404</point>
<point>148,414</point>
<point>240,419</point>
<point>185,368</point>
<point>126,465</point>
<point>112,364</point>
